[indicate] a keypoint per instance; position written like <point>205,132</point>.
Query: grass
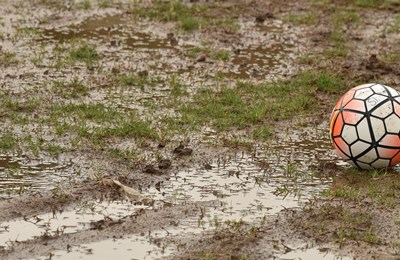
<point>341,224</point>
<point>263,133</point>
<point>251,104</point>
<point>189,23</point>
<point>357,185</point>
<point>85,53</point>
<point>96,121</point>
<point>375,3</point>
<point>84,5</point>
<point>188,17</point>
<point>337,38</point>
<point>221,55</point>
<point>8,58</point>
<point>140,80</point>
<point>70,89</point>
<point>395,27</point>
<point>178,89</point>
<point>309,18</point>
<point>213,54</point>
<point>8,141</point>
<point>105,3</point>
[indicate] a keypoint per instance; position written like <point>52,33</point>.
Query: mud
<point>189,194</point>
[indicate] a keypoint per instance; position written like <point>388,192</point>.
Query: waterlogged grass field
<point>203,125</point>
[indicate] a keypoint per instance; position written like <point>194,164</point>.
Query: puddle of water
<point>119,31</point>
<point>19,175</point>
<point>116,30</point>
<point>244,187</point>
<point>311,254</point>
<point>249,187</point>
<point>71,221</point>
<point>143,246</point>
<point>255,60</point>
<point>127,248</point>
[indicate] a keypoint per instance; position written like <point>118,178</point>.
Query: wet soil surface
<point>76,183</point>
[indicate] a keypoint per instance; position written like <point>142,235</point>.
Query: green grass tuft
<point>72,89</point>
<point>85,53</point>
<point>188,17</point>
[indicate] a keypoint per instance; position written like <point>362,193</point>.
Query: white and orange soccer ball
<point>365,126</point>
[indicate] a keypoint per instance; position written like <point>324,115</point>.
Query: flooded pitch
<point>243,188</point>
<point>188,130</point>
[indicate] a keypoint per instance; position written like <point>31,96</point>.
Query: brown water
<point>19,174</point>
<point>246,187</point>
<point>119,32</point>
<point>78,218</point>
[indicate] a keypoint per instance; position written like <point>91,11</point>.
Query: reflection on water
<point>247,187</point>
<point>120,31</point>
<point>82,216</point>
<point>19,175</point>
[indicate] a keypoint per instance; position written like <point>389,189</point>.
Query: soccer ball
<point>365,126</point>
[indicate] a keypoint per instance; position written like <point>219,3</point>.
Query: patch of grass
<point>53,3</point>
<point>221,55</point>
<point>195,51</point>
<point>18,106</point>
<point>309,18</point>
<point>84,5</point>
<point>105,3</point>
<point>8,141</point>
<point>375,3</point>
<point>97,113</point>
<point>381,188</point>
<point>132,128</point>
<point>248,104</point>
<point>8,58</point>
<point>391,57</point>
<point>340,224</point>
<point>213,54</point>
<point>189,24</point>
<point>72,89</point>
<point>177,88</point>
<point>140,80</point>
<point>263,133</point>
<point>53,149</point>
<point>85,53</point>
<point>345,17</point>
<point>123,154</point>
<point>96,121</point>
<point>395,27</point>
<point>188,17</point>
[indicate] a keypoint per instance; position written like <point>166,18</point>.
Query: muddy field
<point>190,129</point>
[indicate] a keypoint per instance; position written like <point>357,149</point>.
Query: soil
<point>266,47</point>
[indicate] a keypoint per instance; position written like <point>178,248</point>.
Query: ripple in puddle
<point>311,254</point>
<point>20,175</point>
<point>80,218</point>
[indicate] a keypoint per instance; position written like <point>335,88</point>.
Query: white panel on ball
<point>349,134</point>
<point>378,88</point>
<point>381,163</point>
<point>358,148</point>
<point>368,157</point>
<point>363,130</point>
<point>374,101</point>
<point>363,93</point>
<point>392,124</point>
<point>383,110</point>
<point>378,128</point>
